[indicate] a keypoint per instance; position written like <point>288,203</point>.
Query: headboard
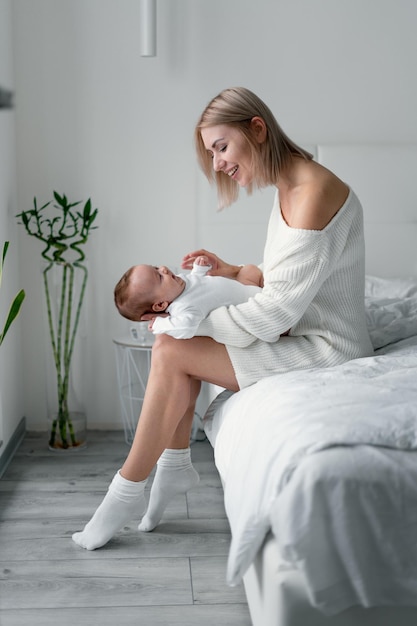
<point>383,176</point>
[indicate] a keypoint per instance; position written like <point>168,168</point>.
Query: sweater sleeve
<point>292,279</point>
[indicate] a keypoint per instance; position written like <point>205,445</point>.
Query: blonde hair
<point>131,303</point>
<point>236,107</point>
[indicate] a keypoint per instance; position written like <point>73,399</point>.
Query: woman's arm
<point>250,275</point>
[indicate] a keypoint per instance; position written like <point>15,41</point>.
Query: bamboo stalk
<point>63,332</point>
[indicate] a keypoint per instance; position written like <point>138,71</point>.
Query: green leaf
<point>62,201</point>
<point>5,246</point>
<point>87,208</point>
<point>66,231</point>
<point>13,313</point>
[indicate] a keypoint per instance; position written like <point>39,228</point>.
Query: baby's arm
<point>182,326</point>
<point>250,275</point>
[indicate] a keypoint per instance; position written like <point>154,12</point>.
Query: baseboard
<point>10,450</point>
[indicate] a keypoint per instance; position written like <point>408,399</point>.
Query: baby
<point>185,299</point>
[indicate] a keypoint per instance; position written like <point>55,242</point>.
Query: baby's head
<point>146,289</point>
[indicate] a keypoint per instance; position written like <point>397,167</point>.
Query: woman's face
<point>230,152</point>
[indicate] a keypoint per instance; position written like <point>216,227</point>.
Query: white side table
<point>133,361</point>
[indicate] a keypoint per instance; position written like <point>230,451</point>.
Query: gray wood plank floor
<point>174,576</point>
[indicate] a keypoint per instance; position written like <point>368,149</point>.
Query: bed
<point>319,467</point>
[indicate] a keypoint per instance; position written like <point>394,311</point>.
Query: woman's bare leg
<point>168,407</point>
<point>165,422</point>
<point>175,474</point>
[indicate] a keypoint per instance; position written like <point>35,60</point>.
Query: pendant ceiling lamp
<point>147,17</point>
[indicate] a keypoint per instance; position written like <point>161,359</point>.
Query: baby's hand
<point>202,260</point>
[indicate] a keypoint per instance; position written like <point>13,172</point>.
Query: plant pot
<point>69,434</point>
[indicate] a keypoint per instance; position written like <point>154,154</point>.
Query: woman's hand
<point>218,267</point>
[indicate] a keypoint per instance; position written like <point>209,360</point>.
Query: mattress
<point>326,460</point>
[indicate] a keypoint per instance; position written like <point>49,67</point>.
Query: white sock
<point>174,475</point>
<point>124,501</point>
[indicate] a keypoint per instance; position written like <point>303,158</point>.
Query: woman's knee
<point>165,350</point>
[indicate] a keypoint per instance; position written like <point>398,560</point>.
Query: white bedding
<point>325,459</point>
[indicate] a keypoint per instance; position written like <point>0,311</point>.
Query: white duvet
<point>325,459</point>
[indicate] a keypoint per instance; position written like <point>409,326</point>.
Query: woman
<point>310,312</point>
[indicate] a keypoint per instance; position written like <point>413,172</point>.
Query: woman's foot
<point>174,475</point>
<point>124,501</point>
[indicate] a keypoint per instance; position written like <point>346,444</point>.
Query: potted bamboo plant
<point>63,229</point>
<point>17,300</point>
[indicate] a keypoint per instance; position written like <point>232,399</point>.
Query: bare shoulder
<point>316,200</point>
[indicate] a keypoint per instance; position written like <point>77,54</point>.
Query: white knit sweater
<point>314,286</point>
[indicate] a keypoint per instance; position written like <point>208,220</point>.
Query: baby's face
<point>160,283</point>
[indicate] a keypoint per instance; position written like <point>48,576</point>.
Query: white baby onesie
<point>201,295</point>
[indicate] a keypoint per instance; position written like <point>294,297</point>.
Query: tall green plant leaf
<point>17,301</point>
<point>13,313</point>
<point>3,256</point>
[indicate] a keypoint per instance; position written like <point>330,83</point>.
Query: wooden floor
<point>174,576</point>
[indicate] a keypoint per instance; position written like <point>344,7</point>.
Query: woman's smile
<point>230,153</point>
<point>233,171</point>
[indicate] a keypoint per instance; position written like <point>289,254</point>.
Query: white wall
<point>95,119</point>
<point>11,390</point>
